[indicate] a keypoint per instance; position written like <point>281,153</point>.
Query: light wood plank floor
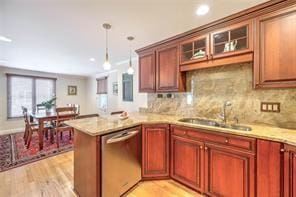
<point>53,177</point>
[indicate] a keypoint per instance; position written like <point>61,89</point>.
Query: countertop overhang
<point>102,125</point>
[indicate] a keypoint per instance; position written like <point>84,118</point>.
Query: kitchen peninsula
<point>195,155</point>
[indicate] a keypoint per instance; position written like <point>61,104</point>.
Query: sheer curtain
<point>27,91</point>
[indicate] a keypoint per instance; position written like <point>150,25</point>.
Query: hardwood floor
<point>53,177</point>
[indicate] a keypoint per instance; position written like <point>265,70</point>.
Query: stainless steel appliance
<point>121,161</point>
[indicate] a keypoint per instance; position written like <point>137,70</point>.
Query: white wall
<point>61,92</point>
<point>115,102</point>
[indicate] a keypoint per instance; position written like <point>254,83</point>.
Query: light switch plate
<point>271,107</point>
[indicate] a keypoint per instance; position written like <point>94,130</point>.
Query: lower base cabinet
<point>187,159</point>
<point>228,172</point>
<point>289,171</point>
<point>155,151</point>
<point>215,165</point>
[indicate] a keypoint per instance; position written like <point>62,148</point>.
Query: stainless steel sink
<point>215,124</point>
<point>200,121</point>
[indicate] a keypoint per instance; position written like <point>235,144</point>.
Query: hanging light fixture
<point>130,69</point>
<point>107,65</point>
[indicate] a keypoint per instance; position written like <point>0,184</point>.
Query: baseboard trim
<point>10,131</point>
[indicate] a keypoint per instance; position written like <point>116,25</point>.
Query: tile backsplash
<point>207,89</point>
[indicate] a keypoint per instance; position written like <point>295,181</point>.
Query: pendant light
<point>130,69</point>
<point>107,65</point>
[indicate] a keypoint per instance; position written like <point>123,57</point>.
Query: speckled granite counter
<point>108,124</point>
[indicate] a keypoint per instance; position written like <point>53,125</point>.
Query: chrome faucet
<point>223,115</point>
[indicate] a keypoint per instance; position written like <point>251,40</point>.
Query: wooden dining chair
<point>77,108</point>
<point>64,114</point>
<point>32,127</point>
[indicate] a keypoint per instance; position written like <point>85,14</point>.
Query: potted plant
<point>48,104</point>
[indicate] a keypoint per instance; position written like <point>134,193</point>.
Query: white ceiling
<point>60,36</point>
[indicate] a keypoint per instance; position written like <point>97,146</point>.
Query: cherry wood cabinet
<point>232,40</point>
<point>275,49</point>
<point>269,168</point>
<point>195,50</point>
<point>229,172</point>
<point>187,161</point>
<point>147,71</point>
<point>168,75</point>
<point>290,171</point>
<point>220,164</point>
<point>155,151</point>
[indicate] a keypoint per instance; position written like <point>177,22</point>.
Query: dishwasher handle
<point>122,137</point>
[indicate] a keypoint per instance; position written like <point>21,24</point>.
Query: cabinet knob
<point>206,148</point>
<point>282,150</point>
<point>200,147</point>
<point>184,132</point>
<point>226,141</point>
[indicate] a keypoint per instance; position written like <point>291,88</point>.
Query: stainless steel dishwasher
<point>121,161</point>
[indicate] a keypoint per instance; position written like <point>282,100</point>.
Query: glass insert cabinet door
<point>236,39</point>
<point>196,49</point>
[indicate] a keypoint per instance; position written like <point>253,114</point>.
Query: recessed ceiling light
<point>202,10</point>
<point>92,59</point>
<point>5,39</point>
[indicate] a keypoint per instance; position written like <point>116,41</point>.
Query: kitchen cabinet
<point>168,75</point>
<point>194,50</point>
<point>289,171</point>
<point>221,165</point>
<point>275,49</point>
<point>147,71</point>
<point>187,161</point>
<point>229,45</point>
<point>232,40</point>
<point>269,168</point>
<point>228,172</point>
<point>155,151</point>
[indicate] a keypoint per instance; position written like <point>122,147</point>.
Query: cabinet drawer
<point>238,142</point>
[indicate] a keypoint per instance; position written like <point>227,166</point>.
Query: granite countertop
<point>107,124</point>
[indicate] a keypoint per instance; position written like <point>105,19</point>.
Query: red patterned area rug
<point>13,152</point>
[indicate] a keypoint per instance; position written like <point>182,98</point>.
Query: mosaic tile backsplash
<point>208,89</point>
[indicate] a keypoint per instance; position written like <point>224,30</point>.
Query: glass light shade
<point>130,71</point>
<point>202,10</point>
<point>107,65</point>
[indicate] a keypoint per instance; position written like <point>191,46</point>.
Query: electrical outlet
<point>270,107</point>
<point>159,96</point>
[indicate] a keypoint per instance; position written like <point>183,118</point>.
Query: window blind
<point>27,91</point>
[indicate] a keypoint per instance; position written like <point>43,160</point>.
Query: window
<point>127,87</point>
<point>102,85</point>
<point>102,90</point>
<point>27,91</point>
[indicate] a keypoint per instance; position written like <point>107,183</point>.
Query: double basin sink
<point>215,124</point>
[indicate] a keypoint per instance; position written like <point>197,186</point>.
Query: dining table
<point>41,118</point>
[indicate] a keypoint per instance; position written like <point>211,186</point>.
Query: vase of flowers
<point>48,105</point>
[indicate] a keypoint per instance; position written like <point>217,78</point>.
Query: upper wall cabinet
<point>147,71</point>
<point>233,44</point>
<point>275,49</point>
<point>195,50</point>
<point>233,40</point>
<point>168,76</point>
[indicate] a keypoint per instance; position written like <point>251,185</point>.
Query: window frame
<point>124,82</point>
<point>34,78</point>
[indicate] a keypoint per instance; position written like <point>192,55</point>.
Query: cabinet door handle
<point>206,148</point>
<point>211,56</point>
<point>200,147</point>
<point>282,150</point>
<point>207,56</point>
<point>184,133</point>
